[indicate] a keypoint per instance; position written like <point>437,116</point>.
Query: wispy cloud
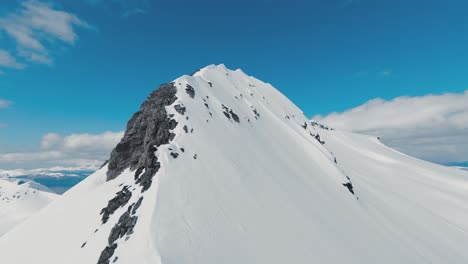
<point>37,28</point>
<point>432,127</point>
<point>89,150</point>
<point>8,61</point>
<point>129,8</point>
<point>5,103</point>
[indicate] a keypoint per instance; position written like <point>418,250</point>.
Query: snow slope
<point>18,202</point>
<point>241,176</point>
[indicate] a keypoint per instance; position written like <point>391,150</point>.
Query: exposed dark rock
<point>349,185</point>
<point>234,116</point>
<point>211,84</point>
<point>304,125</point>
<point>190,91</point>
<point>121,198</point>
<point>182,149</point>
<point>148,127</point>
<point>83,245</point>
<point>123,227</point>
<point>138,172</point>
<point>146,178</point>
<point>137,205</point>
<point>257,114</point>
<point>174,155</point>
<point>315,124</point>
<point>229,113</point>
<point>115,259</point>
<point>191,130</point>
<point>207,105</point>
<point>317,137</point>
<point>106,254</point>
<point>195,156</point>
<point>180,109</point>
<point>185,128</point>
<point>336,162</point>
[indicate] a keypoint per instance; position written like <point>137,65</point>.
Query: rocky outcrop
<point>106,254</point>
<point>148,128</point>
<point>121,198</point>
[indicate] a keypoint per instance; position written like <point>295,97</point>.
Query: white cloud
<point>50,140</point>
<point>77,150</point>
<point>8,61</point>
<point>82,142</point>
<point>36,28</point>
<point>432,127</point>
<point>5,103</point>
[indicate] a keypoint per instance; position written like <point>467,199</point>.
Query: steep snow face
<point>221,167</point>
<point>18,202</point>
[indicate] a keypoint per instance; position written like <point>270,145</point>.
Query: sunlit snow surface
<point>263,190</point>
<point>18,202</point>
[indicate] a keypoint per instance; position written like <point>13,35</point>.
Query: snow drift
<point>219,167</point>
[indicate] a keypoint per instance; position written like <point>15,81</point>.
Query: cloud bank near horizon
<point>84,151</point>
<point>431,127</point>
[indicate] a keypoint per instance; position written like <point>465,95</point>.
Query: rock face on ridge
<point>147,129</point>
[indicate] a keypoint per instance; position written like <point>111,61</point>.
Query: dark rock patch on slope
<point>190,91</point>
<point>121,198</point>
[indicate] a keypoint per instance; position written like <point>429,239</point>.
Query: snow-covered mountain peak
<point>218,166</point>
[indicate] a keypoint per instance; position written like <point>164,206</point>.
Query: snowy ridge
<point>221,167</point>
<point>18,202</point>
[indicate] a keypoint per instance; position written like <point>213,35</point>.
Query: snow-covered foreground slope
<point>18,202</point>
<point>220,167</point>
<point>423,204</point>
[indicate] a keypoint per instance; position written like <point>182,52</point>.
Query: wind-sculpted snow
<point>220,167</point>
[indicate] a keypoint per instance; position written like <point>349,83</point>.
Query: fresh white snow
<point>263,190</point>
<point>18,202</point>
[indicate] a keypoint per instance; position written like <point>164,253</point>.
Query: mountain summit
<point>219,167</point>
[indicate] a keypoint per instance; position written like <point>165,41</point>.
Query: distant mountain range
<point>57,179</point>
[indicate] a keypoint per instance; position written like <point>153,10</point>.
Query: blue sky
<point>325,56</point>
